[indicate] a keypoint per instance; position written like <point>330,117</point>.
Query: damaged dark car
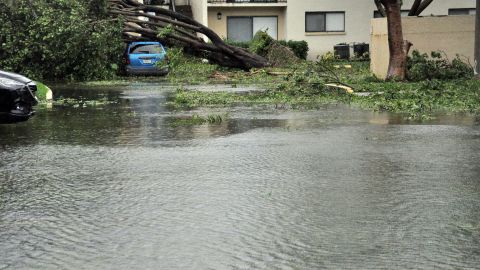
<point>17,98</point>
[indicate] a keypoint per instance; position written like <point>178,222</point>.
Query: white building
<point>322,23</point>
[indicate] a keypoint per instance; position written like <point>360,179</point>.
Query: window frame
<point>325,20</point>
<point>460,9</point>
<point>251,18</point>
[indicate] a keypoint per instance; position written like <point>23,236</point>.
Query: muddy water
<point>119,187</point>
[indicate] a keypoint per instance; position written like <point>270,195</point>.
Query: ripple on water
<point>282,191</point>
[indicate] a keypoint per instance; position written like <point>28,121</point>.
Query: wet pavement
<point>119,186</point>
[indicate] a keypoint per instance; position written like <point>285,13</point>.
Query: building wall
<point>358,14</point>
<point>220,26</point>
<point>450,34</point>
<point>183,2</point>
<point>200,11</point>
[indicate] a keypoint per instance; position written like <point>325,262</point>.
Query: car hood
<point>15,77</point>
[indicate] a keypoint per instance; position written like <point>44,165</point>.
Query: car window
<point>146,49</point>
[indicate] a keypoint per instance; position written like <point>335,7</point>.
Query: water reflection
<point>118,186</point>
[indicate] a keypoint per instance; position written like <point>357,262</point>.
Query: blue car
<point>146,58</point>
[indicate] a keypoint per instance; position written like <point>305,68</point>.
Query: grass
<point>184,99</point>
<point>303,86</point>
<point>422,99</point>
<point>197,120</point>
<point>76,103</point>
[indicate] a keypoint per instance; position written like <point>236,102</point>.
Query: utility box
<point>342,51</point>
<point>361,50</point>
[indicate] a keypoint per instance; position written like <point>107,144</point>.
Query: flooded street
<point>119,186</point>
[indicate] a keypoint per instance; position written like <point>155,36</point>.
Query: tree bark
<point>175,29</point>
<point>477,42</point>
<point>423,5</point>
<point>414,8</point>
<point>173,6</point>
<point>398,47</point>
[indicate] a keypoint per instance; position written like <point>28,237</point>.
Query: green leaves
<point>422,67</point>
<point>59,40</point>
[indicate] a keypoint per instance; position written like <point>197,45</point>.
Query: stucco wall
<point>220,26</point>
<point>199,9</point>
<point>358,14</point>
<point>450,34</point>
<point>182,2</point>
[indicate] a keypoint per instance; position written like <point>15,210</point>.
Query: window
<point>146,49</point>
<point>250,1</point>
<point>325,22</point>
<point>243,28</point>
<point>462,11</point>
<point>377,14</point>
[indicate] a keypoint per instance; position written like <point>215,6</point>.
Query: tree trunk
<point>477,42</point>
<point>173,6</point>
<point>398,47</point>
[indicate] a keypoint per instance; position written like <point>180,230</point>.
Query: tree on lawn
<point>398,47</point>
<point>175,29</point>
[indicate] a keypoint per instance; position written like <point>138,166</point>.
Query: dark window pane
<point>461,11</point>
<point>315,22</point>
<point>239,28</point>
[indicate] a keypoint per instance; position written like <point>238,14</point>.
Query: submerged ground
<point>127,182</point>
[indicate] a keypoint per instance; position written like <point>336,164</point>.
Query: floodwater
<point>119,186</point>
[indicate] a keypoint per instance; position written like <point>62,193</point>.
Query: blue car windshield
<point>146,49</point>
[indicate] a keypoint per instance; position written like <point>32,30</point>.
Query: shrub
<point>261,43</point>
<point>281,56</point>
<point>328,56</point>
<point>241,44</point>
<point>300,48</point>
<point>60,39</point>
<point>176,57</point>
<point>422,67</point>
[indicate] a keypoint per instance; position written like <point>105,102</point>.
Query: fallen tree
<point>175,29</point>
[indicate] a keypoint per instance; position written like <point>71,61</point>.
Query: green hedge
<point>300,48</point>
<point>241,44</point>
<point>421,67</point>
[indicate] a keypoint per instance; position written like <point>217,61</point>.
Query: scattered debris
<point>339,86</point>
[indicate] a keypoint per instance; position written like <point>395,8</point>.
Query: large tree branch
<point>184,30</point>
<point>380,8</point>
<point>414,8</point>
<point>422,7</point>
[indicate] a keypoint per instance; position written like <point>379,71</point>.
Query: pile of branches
<point>153,23</point>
